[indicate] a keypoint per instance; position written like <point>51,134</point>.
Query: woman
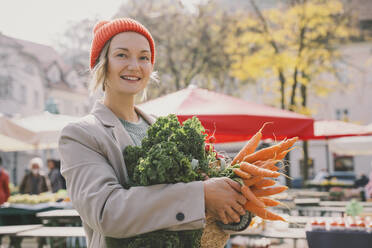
<point>122,58</point>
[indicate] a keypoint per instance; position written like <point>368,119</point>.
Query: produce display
<point>61,195</point>
<point>173,152</point>
<point>341,224</point>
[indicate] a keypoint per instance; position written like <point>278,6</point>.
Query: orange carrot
<point>259,162</point>
<point>269,202</point>
<point>270,164</point>
<point>263,154</point>
<point>251,181</point>
<point>257,171</point>
<point>251,197</point>
<point>249,147</point>
<point>262,212</point>
<point>242,174</point>
<point>282,155</point>
<point>285,145</point>
<point>269,191</point>
<point>264,183</point>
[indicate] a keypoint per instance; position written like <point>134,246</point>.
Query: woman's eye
<point>121,55</point>
<point>144,58</point>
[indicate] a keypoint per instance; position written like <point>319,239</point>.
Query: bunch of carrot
<point>255,169</point>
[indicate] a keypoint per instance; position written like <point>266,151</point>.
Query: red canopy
<point>230,119</point>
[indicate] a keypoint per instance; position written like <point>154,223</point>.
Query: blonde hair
<point>99,73</point>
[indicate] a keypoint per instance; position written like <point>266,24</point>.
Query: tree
<point>75,44</point>
<point>292,48</point>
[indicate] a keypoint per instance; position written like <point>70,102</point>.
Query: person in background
<point>35,182</point>
<point>368,187</point>
<point>58,165</point>
<point>4,184</point>
<point>321,175</point>
<point>360,183</point>
<point>54,175</point>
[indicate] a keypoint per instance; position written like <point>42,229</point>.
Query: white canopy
<point>336,128</point>
<point>14,137</point>
<point>47,127</point>
<point>358,145</point>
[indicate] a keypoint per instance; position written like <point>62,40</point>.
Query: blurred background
<point>308,56</point>
<point>311,57</point>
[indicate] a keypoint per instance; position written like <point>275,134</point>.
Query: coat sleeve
<point>113,211</point>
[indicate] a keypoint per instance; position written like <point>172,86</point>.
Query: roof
<point>45,54</point>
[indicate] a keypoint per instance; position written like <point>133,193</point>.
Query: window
<point>343,163</point>
<point>6,88</point>
<point>22,96</point>
<point>36,99</point>
<point>342,114</point>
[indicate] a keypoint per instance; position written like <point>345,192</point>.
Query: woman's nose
<point>133,64</point>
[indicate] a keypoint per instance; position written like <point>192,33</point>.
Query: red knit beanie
<point>105,30</point>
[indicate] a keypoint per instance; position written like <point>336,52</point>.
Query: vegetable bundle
<point>170,153</point>
<point>254,169</point>
<point>173,153</point>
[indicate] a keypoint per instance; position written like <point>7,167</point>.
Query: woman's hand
<point>223,199</point>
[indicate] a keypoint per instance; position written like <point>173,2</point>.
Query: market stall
<point>46,126</point>
<point>14,137</point>
<point>21,209</point>
<point>230,119</point>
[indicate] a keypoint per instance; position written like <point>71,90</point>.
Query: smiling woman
<point>92,162</point>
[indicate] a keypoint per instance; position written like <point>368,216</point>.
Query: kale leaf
<point>170,153</point>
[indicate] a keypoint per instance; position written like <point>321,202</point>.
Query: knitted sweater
<point>137,131</point>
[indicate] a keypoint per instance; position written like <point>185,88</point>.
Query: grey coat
<point>94,169</point>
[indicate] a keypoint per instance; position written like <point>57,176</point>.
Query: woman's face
<point>129,64</point>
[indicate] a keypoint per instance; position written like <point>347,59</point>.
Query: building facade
<point>33,76</point>
<point>33,79</point>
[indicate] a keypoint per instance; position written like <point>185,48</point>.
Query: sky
<point>43,21</point>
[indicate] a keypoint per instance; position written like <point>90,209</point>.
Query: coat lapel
<point>110,120</point>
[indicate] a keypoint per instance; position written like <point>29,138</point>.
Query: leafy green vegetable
<point>170,153</point>
<point>354,208</point>
<point>164,163</point>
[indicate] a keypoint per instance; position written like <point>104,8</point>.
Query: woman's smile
<point>131,79</point>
